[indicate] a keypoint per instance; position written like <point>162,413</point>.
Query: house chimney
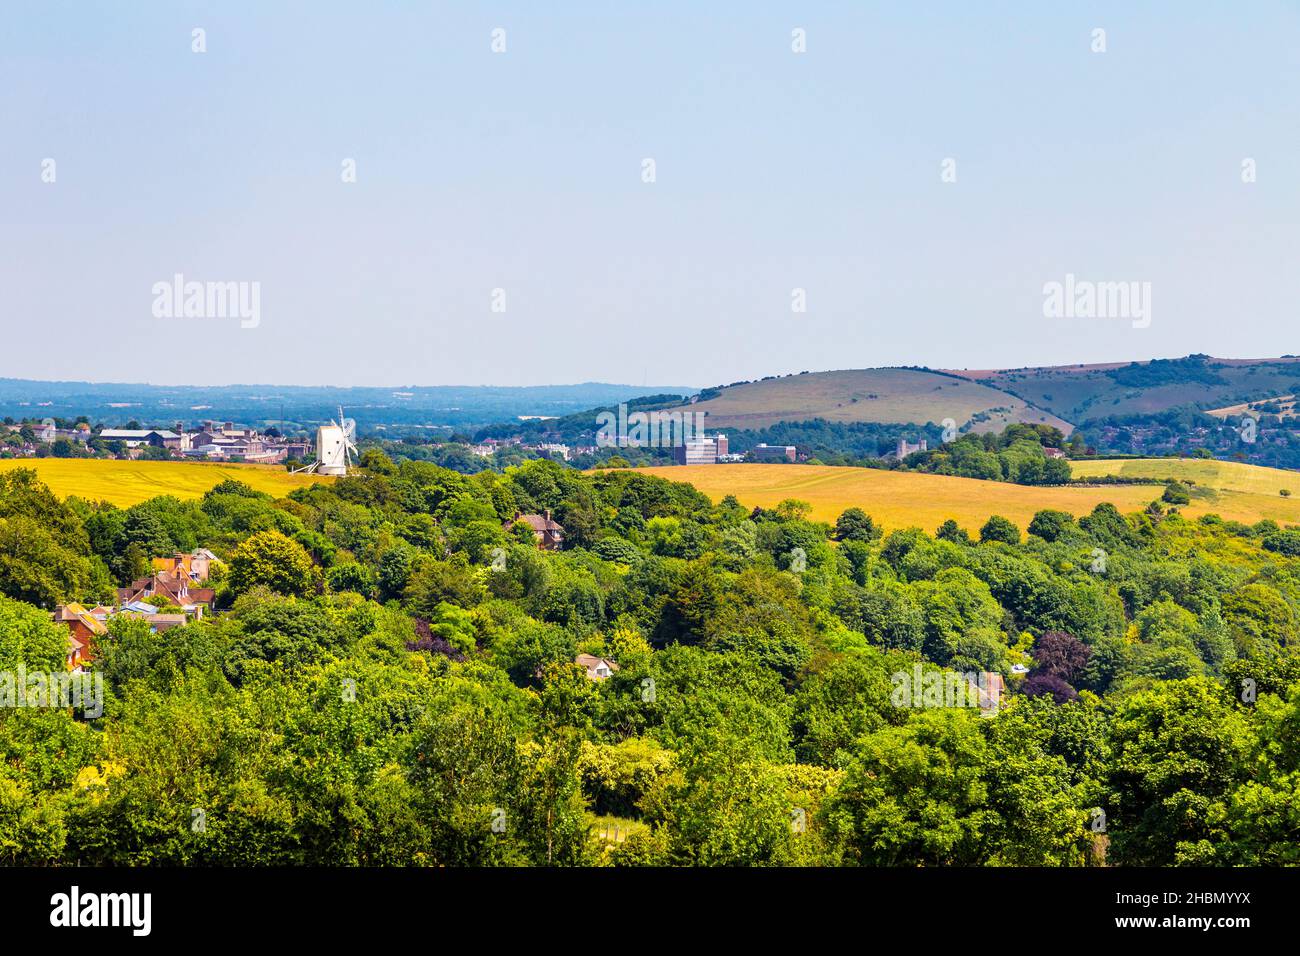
<point>548,514</point>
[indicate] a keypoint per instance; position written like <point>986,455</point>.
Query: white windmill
<point>335,445</point>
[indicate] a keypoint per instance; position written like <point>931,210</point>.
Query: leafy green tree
<point>617,550</point>
<point>761,616</point>
<point>691,607</point>
<point>395,571</point>
<point>1259,619</point>
<point>838,705</point>
<point>35,567</point>
<point>962,621</point>
<point>951,531</point>
<point>350,576</point>
<point>373,459</point>
<point>998,528</point>
<point>466,774</point>
<point>1284,542</point>
<point>724,808</point>
<point>1261,825</point>
<point>271,560</point>
<point>916,794</point>
<point>134,562</point>
<point>454,581</point>
<point>1051,525</point>
<point>1178,751</point>
<point>616,777</point>
<point>28,637</point>
<point>854,524</point>
<point>947,788</point>
<point>888,613</point>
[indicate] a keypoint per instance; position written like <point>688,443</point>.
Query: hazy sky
<point>523,171</point>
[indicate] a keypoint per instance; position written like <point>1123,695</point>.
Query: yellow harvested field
<point>908,499</point>
<point>126,483</point>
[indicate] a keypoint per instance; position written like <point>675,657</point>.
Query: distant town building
<point>553,450</point>
<point>765,452</point>
<point>701,451</point>
<point>48,434</point>
<point>488,447</point>
<point>227,443</point>
<point>136,437</point>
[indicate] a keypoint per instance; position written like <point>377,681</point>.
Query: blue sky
<point>522,171</point>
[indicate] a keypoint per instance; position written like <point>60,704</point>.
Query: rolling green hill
<point>1078,393</point>
<point>990,399</point>
<point>890,395</point>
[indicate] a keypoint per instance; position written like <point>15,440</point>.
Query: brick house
<point>83,631</point>
<point>193,567</point>
<point>548,533</point>
<point>174,587</point>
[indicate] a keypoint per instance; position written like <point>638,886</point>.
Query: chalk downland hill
<point>1078,393</point>
<point>885,395</point>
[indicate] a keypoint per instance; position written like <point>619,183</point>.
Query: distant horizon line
<point>394,388</point>
<point>1286,357</point>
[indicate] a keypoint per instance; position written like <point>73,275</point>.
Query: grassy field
<point>126,483</point>
<point>1286,402</point>
<point>908,499</point>
<point>866,395</point>
<point>1219,475</point>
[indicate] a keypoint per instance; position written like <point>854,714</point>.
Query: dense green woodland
<point>391,681</point>
<point>1015,455</point>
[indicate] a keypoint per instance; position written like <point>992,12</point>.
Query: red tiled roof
<point>540,523</point>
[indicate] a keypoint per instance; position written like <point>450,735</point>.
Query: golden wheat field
<point>908,499</point>
<point>127,483</point>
